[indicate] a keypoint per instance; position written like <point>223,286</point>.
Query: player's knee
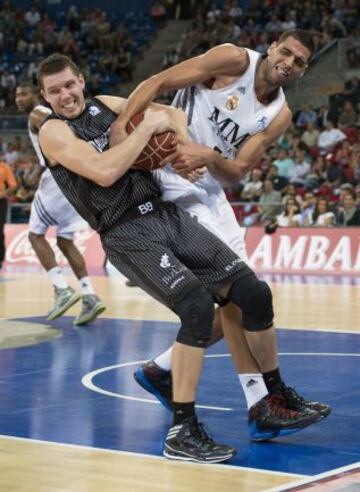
<point>196,313</point>
<point>254,297</point>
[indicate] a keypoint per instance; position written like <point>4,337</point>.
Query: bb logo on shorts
<point>145,208</point>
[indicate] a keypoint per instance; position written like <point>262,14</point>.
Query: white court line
<point>87,380</point>
<point>315,478</point>
<point>152,456</point>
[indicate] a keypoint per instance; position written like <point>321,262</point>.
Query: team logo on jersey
<point>262,122</point>
<point>165,263</point>
<point>93,110</point>
<point>232,102</point>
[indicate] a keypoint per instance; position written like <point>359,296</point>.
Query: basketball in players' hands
<point>156,150</point>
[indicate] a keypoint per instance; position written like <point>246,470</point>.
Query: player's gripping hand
<point>190,156</point>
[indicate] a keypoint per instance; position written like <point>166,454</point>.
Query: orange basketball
<point>158,147</point>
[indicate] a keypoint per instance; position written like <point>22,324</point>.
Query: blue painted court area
<point>42,395</point>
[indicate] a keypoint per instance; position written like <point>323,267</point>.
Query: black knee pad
<point>196,312</point>
<point>254,297</point>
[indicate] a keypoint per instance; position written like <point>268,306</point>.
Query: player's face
<point>24,99</point>
<point>286,61</point>
<point>64,91</point>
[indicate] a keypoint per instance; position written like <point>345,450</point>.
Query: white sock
<point>57,278</point>
<point>254,388</point>
<point>86,286</point>
<point>164,360</point>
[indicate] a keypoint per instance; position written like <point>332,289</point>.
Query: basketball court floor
<point>72,417</point>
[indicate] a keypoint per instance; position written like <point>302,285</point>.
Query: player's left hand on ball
<point>158,120</point>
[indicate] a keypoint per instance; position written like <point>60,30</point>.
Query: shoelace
<point>199,437</point>
<point>294,395</point>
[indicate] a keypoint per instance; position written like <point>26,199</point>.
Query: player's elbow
<point>106,179</point>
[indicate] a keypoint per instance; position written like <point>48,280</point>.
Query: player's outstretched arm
<point>60,145</point>
<point>225,59</point>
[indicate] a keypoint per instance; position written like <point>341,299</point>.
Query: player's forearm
<point>229,171</point>
<point>115,162</point>
<point>140,99</point>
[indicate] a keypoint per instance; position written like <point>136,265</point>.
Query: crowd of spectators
<point>320,155</point>
<point>18,155</point>
<point>312,175</point>
<point>262,23</point>
<point>103,44</point>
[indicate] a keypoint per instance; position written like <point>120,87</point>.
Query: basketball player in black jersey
<point>153,243</point>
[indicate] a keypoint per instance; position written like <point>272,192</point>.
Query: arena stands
<point>321,152</point>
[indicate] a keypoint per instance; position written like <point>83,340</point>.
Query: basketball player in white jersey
<point>236,109</point>
<point>51,208</point>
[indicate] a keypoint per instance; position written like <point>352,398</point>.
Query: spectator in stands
<point>12,154</point>
<point>73,19</point>
<point>349,214</point>
<point>357,196</point>
<point>171,58</point>
<point>270,202</point>
<point>352,89</point>
<point>298,173</point>
<point>310,137</point>
<point>27,176</point>
<point>8,186</point>
<point>283,163</point>
<point>262,43</point>
<point>252,189</point>
<point>290,21</point>
<point>32,16</point>
<point>307,208</point>
<point>290,191</point>
<point>158,14</point>
<point>329,137</point>
<point>349,116</point>
<point>355,161</point>
<point>322,215</point>
<point>334,172</point>
<point>291,215</point>
<point>306,115</point>
<point>122,64</point>
<point>274,25</point>
<point>322,117</point>
<point>279,182</point>
<point>213,15</point>
<point>317,174</point>
<point>67,43</point>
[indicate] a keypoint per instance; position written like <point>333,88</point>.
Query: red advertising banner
<point>20,255</point>
<point>328,251</point>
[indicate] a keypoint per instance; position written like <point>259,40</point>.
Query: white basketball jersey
<point>223,118</point>
<point>34,137</point>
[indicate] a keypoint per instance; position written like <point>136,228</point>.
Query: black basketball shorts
<point>167,253</point>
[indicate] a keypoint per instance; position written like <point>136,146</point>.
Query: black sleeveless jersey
<point>101,207</point>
